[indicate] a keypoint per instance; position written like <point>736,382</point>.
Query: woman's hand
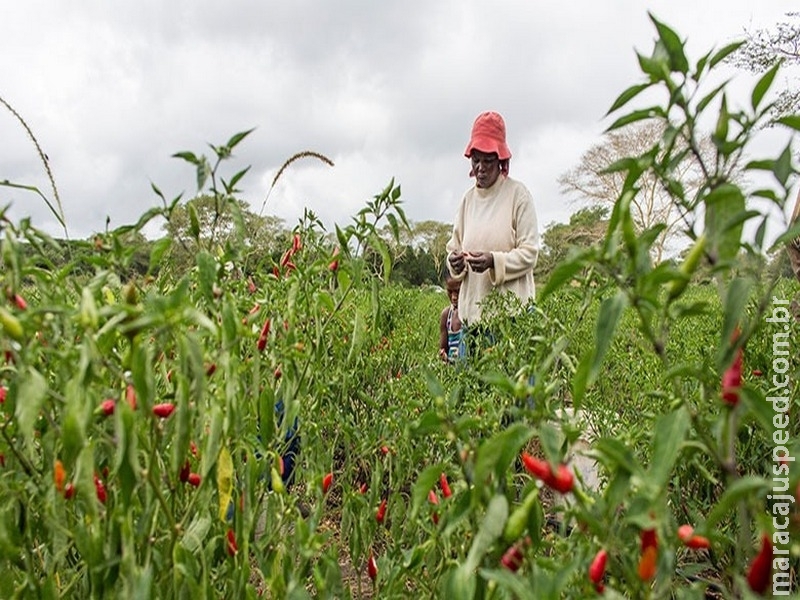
<point>480,261</point>
<point>457,262</point>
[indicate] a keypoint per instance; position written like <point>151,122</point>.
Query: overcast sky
<point>384,89</point>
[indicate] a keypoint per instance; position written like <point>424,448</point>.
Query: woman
<point>495,240</point>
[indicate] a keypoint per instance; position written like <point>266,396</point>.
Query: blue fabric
<point>289,454</point>
<point>292,441</point>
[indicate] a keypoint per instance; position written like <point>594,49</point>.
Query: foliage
<point>586,227</point>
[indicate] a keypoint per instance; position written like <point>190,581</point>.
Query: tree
<point>652,206</point>
<point>432,236</point>
<point>586,227</point>
<point>224,224</point>
<point>764,48</point>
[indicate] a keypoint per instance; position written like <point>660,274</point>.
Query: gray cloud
<point>385,89</point>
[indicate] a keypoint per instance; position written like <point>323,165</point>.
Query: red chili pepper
<point>446,492</point>
<point>100,489</point>
<point>251,286</point>
<point>278,373</point>
<point>536,467</point>
<point>385,450</point>
<point>231,545</point>
<point>107,407</point>
<point>562,480</point>
<point>276,272</point>
<point>434,499</point>
<point>732,380</point>
<point>130,396</point>
<point>649,538</point>
<point>297,243</point>
<point>690,540</point>
<point>211,369</point>
<point>59,474</point>
<point>597,568</point>
<point>327,480</point>
<point>649,557</point>
<point>647,563</point>
<point>262,337</point>
<point>380,515</point>
<point>2,460</point>
<point>194,479</point>
<point>512,558</point>
<point>286,258</point>
<point>759,574</point>
<point>363,488</point>
<point>333,265</point>
<point>19,302</point>
<point>163,410</point>
<point>757,372</point>
<point>372,567</point>
<point>186,469</point>
<point>69,491</point>
<point>3,393</point>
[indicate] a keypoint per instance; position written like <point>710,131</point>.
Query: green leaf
<point>157,252</point>
<point>564,272</point>
<point>738,491</point>
<point>636,116</point>
<point>238,138</point>
<point>460,582</point>
<point>31,392</point>
<point>710,96</point>
<point>721,131</point>
<point>674,47</point>
<point>231,187</point>
<point>515,586</point>
<point>670,431</point>
<point>760,408</point>
<point>736,297</point>
<point>188,157</point>
<point>207,274</point>
<point>425,482</point>
<point>498,452</point>
<point>723,53</point>
<point>763,86</point>
<point>608,318</point>
<point>783,165</point>
<point>617,456</point>
<point>786,236</point>
<point>627,96</point>
<point>490,530</point>
<point>194,538</point>
<point>723,207</point>
<point>203,171</point>
<point>792,121</point>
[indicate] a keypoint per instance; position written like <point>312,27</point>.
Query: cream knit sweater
<point>501,220</point>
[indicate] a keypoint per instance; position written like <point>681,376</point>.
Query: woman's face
<point>486,168</point>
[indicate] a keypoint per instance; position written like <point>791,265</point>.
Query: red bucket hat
<point>489,135</point>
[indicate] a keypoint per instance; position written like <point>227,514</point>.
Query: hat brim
<point>488,145</point>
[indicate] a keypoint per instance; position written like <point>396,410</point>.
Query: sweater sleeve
<point>521,259</point>
<point>455,243</point>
